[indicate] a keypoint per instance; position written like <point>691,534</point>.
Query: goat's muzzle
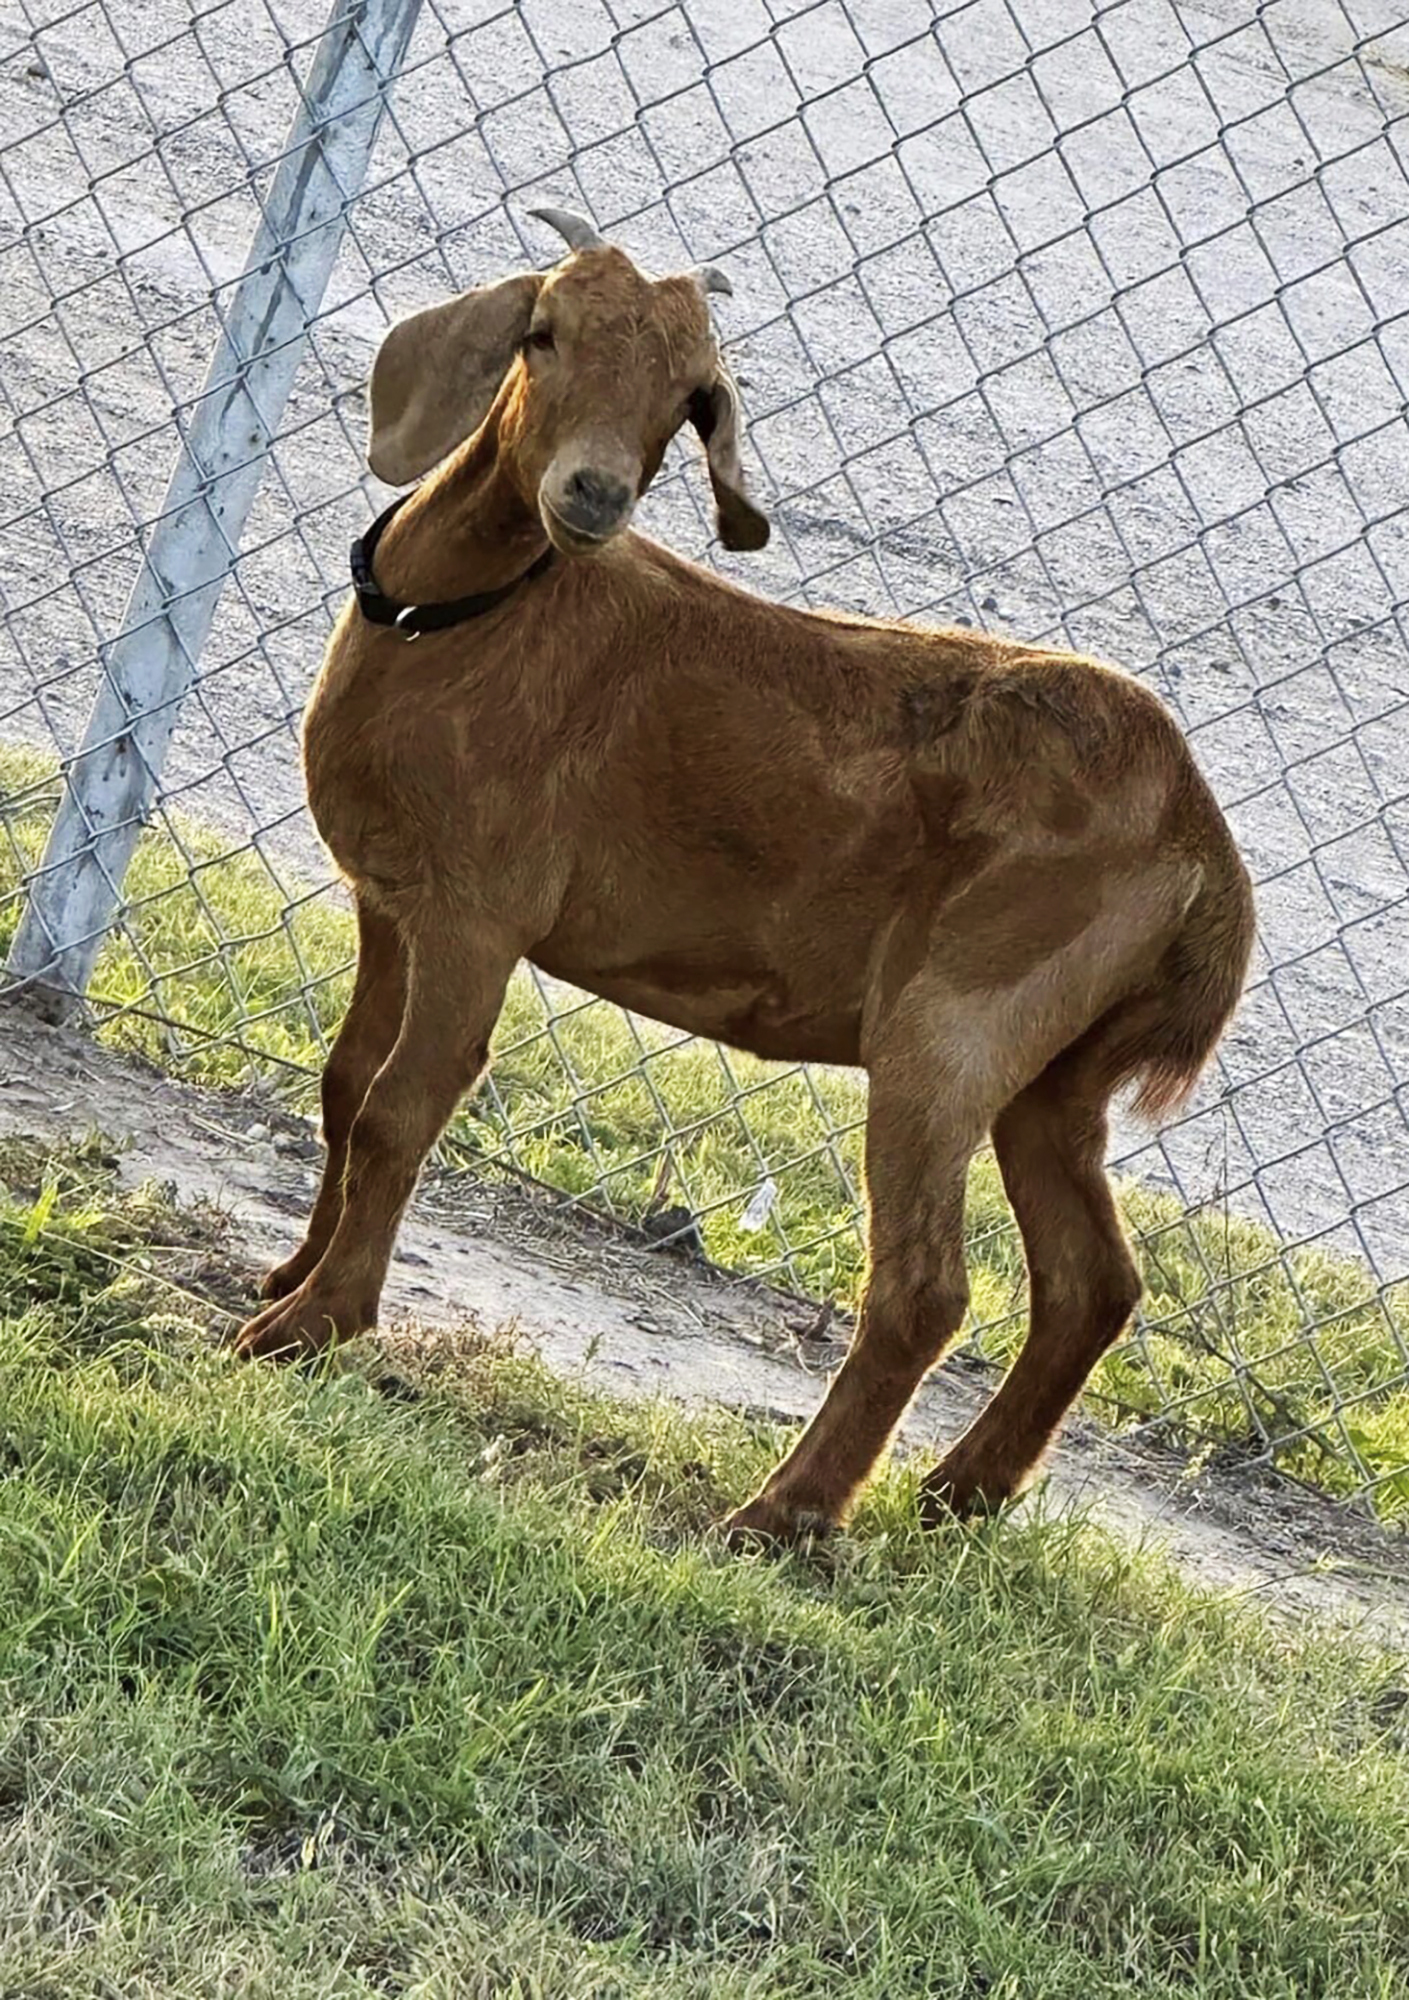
<point>584,506</point>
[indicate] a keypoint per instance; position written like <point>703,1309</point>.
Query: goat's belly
<point>707,997</point>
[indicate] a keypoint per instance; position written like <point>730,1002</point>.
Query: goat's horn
<point>710,278</point>
<point>575,230</point>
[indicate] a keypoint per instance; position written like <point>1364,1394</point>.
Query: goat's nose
<point>594,501</point>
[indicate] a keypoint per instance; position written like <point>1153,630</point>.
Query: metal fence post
<point>149,667</point>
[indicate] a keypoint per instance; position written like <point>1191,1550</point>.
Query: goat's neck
<point>467,529</point>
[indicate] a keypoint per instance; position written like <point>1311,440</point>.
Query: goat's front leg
<point>921,1132</point>
<point>455,989</point>
<point>364,1041</point>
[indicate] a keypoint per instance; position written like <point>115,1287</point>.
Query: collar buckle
<point>413,621</point>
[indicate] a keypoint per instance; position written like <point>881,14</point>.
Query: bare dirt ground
<point>638,1322</point>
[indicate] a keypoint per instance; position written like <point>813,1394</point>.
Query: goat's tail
<point>1165,1033</point>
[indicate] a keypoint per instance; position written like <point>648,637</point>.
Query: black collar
<point>411,620</point>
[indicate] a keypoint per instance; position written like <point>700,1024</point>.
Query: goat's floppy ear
<point>715,414</point>
<point>437,373</point>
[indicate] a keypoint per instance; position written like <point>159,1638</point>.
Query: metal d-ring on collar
<point>411,620</point>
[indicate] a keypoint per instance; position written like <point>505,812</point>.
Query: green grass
<point>309,1690</point>
<point>1239,1340</point>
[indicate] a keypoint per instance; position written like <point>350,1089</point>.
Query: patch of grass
<point>1239,1339</point>
<point>307,1692</point>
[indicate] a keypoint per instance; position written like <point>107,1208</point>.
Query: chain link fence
<point>1087,319</point>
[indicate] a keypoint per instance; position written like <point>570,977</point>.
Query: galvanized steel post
<point>148,668</point>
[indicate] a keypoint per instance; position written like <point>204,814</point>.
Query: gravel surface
<point>1070,319</point>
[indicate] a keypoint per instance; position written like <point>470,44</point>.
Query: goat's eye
<point>539,339</point>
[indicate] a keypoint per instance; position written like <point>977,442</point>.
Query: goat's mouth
<point>583,506</point>
<point>569,539</point>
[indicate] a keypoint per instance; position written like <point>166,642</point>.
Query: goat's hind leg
<point>1051,1143</point>
<point>927,1118</point>
<point>364,1041</point>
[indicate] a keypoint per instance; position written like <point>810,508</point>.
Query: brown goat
<point>988,873</point>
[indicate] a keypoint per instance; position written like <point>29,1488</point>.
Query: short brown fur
<point>988,873</point>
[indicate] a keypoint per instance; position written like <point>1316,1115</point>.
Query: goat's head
<point>589,370</point>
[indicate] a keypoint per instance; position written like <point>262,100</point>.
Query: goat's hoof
<point>773,1524</point>
<point>960,1490</point>
<point>286,1277</point>
<point>300,1326</point>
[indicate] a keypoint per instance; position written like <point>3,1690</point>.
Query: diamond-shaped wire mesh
<point>1088,319</point>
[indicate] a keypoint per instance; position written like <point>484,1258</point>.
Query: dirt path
<point>643,1323</point>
